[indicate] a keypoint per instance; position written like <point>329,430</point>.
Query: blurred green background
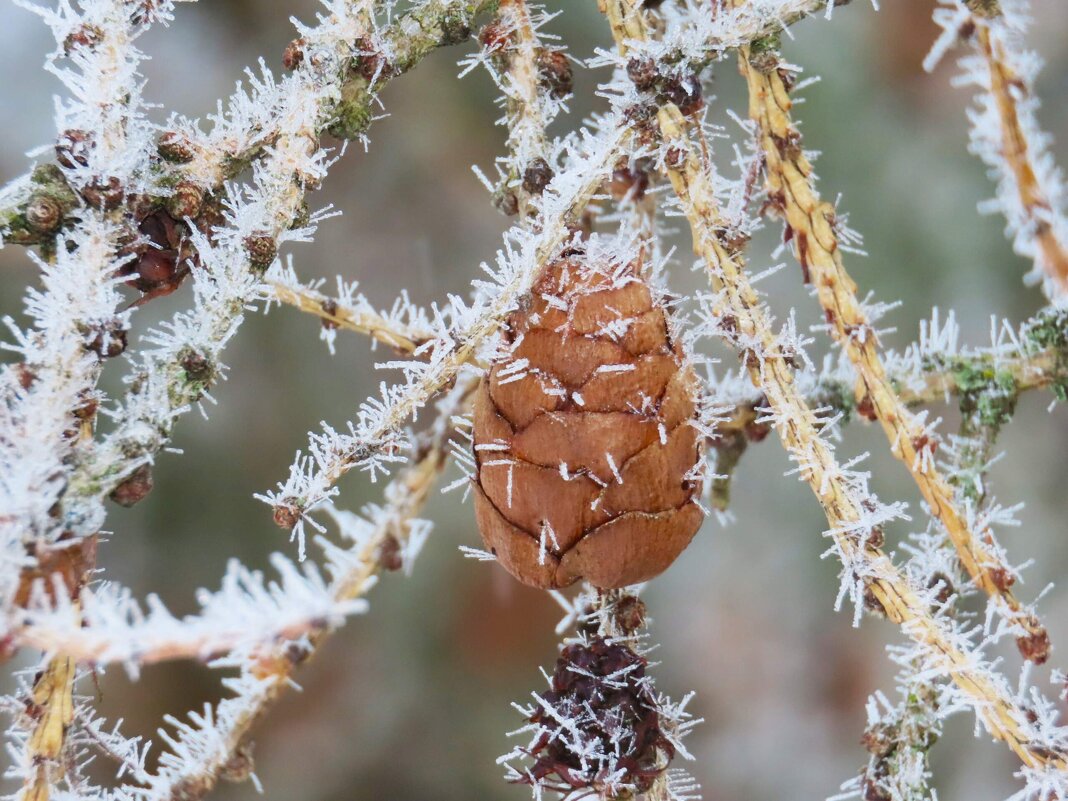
<point>411,701</point>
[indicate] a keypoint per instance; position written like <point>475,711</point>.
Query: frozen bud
<point>70,561</point>
<point>1002,578</point>
<point>943,586</point>
<point>240,766</point>
<point>879,740</point>
<point>185,201</point>
<point>537,176</point>
<point>1034,647</point>
<point>643,73</point>
<point>134,488</point>
<point>43,214</point>
<point>197,366</point>
<point>685,93</point>
<point>107,339</point>
<point>86,408</point>
<point>261,251</point>
<point>84,36</point>
<point>371,64</point>
<point>629,613</point>
<point>554,71</point>
<point>628,181</point>
<point>582,433</point>
<point>293,55</point>
<point>175,147</point>
<point>286,516</point>
<point>24,375</point>
<point>389,554</point>
<point>104,193</point>
<point>506,201</point>
<point>764,55</point>
<point>72,148</point>
<point>494,36</point>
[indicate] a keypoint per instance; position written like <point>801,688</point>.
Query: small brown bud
<point>389,554</point>
<point>685,93</point>
<point>1002,578</point>
<point>197,366</point>
<point>72,148</point>
<point>293,55</point>
<point>628,181</point>
<point>675,157</point>
<point>286,516</point>
<point>643,73</point>
<point>240,766</point>
<point>944,585</point>
<point>371,64</point>
<point>134,488</point>
<point>878,741</point>
<point>25,376</point>
<point>872,603</point>
<point>554,71</point>
<point>261,251</point>
<point>104,193</point>
<point>175,146</point>
<point>1034,647</point>
<point>86,410</point>
<point>630,613</point>
<point>537,176</point>
<point>43,214</point>
<point>866,409</point>
<point>185,201</point>
<point>329,307</point>
<point>494,36</point>
<point>506,201</point>
<point>107,340</point>
<point>87,36</point>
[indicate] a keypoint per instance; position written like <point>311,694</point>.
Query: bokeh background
<point>411,701</point>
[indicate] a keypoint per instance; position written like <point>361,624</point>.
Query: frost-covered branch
<point>817,242</point>
<point>404,327</point>
<point>1005,133</point>
<point>385,537</point>
<point>247,614</point>
<point>856,518</point>
<point>245,132</point>
<point>376,436</point>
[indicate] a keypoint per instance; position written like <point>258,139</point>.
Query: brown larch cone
<point>584,446</point>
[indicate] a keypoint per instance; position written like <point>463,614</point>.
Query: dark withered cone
<point>582,434</point>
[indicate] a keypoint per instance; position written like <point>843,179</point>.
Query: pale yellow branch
<point>52,710</point>
<point>336,313</point>
<point>792,193</point>
<point>1004,85</point>
<point>740,309</point>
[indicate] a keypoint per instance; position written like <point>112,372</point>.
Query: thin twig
<point>816,243</point>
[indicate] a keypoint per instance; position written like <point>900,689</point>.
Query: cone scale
<point>584,443</point>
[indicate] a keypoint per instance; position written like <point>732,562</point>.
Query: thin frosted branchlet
<point>535,82</point>
<point>107,625</point>
<point>1005,133</point>
<point>866,570</point>
<point>213,743</point>
<point>259,217</point>
<point>76,323</point>
<point>374,440</point>
<point>898,736</point>
<point>815,236</point>
<point>697,35</point>
<point>404,327</point>
<point>602,730</point>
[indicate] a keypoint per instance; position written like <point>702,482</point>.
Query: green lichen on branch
<point>404,44</point>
